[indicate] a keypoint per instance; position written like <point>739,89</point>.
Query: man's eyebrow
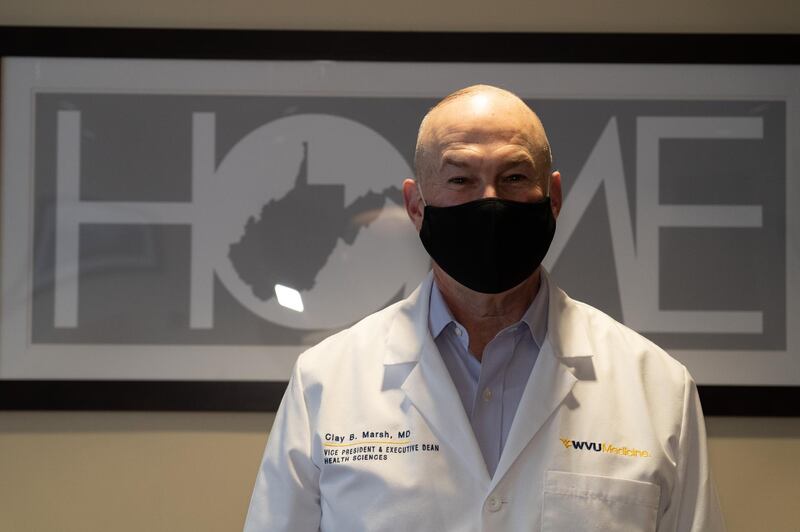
<point>515,160</point>
<point>449,160</point>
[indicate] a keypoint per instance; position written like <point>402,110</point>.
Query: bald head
<point>482,111</point>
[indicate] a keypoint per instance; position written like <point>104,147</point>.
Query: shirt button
<point>458,331</point>
<point>487,394</point>
<point>493,504</point>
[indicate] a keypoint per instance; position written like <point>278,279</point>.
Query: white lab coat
<point>381,386</point>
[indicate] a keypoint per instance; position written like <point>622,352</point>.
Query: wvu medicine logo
<point>603,447</point>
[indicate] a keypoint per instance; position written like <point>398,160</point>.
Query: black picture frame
<point>724,49</point>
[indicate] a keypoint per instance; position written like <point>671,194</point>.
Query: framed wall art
<point>185,211</point>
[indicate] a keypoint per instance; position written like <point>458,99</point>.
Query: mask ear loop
<point>549,182</point>
<point>550,174</point>
<point>419,189</point>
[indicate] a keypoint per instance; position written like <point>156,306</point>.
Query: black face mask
<point>489,245</point>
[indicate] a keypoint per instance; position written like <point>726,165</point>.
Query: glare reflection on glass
<point>289,297</point>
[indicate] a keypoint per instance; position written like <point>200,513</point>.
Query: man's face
<point>480,147</point>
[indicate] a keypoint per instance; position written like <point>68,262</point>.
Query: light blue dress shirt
<point>490,390</point>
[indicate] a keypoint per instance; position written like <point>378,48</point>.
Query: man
<point>488,400</point>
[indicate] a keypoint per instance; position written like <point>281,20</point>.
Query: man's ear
<point>413,202</point>
<point>555,193</point>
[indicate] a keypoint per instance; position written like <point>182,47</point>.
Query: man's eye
<point>457,180</point>
<point>514,178</point>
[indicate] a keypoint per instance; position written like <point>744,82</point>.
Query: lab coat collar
<point>428,386</point>
<point>410,326</point>
<point>564,328</point>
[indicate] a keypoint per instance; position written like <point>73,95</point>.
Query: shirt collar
<point>535,316</point>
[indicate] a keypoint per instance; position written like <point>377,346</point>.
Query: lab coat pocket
<point>575,502</point>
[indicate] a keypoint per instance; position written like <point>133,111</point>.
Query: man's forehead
<point>465,135</point>
<point>480,131</point>
<point>481,117</point>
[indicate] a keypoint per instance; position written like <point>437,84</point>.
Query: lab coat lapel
<point>427,384</point>
<point>551,380</point>
<point>431,390</point>
<point>548,385</point>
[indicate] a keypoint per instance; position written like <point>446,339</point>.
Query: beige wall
<point>104,471</point>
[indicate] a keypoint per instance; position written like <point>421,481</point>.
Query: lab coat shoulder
<point>626,362</point>
<point>610,339</point>
<point>351,355</point>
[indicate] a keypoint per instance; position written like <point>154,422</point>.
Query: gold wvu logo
<point>603,447</point>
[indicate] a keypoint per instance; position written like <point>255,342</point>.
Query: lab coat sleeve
<point>693,503</point>
<point>286,495</point>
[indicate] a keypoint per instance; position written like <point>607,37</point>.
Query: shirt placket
<point>487,411</point>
